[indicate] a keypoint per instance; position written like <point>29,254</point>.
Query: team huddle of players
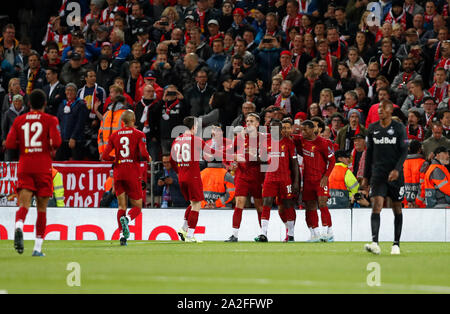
<point>267,170</point>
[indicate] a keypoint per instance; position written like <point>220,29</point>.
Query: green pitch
<point>217,267</point>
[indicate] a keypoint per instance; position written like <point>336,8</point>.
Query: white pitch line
<point>3,292</point>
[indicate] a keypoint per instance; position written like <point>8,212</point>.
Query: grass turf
<point>217,267</point>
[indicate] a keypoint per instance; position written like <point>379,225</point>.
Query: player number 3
<point>125,142</point>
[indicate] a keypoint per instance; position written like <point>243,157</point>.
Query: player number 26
<point>183,152</point>
<point>35,130</point>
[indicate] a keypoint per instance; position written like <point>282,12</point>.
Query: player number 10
<point>36,128</point>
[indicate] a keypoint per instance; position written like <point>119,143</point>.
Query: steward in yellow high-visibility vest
<point>342,182</point>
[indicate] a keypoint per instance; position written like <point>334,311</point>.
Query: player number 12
<point>36,128</point>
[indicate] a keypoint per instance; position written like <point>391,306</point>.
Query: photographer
<point>166,185</point>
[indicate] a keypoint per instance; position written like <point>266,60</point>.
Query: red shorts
<point>40,183</point>
<point>192,190</point>
<point>280,189</point>
<point>133,188</point>
<point>312,191</point>
<point>246,188</point>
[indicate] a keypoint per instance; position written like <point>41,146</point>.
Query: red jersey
<point>248,169</point>
<point>129,145</point>
<point>280,154</point>
<point>318,159</point>
<point>35,134</point>
<point>185,155</point>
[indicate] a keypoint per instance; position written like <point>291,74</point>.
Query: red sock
<point>265,213</point>
<point>192,220</point>
<point>41,223</point>
<point>291,215</point>
<point>134,212</point>
<point>325,216</point>
<point>237,218</point>
<point>21,214</point>
<point>259,217</point>
<point>120,213</point>
<point>312,219</point>
<point>187,212</point>
<point>283,215</point>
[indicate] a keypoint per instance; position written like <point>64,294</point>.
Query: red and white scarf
<point>401,19</point>
<point>282,102</point>
<point>439,93</point>
<point>419,136</point>
<point>285,71</point>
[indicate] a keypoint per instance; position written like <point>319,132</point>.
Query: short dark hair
<point>319,121</point>
<point>308,123</point>
<point>37,99</point>
<point>414,147</point>
<point>189,122</point>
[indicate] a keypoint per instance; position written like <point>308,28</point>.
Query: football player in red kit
<point>129,145</point>
<point>36,134</point>
<point>282,174</point>
<point>248,178</point>
<point>185,155</point>
<point>318,160</point>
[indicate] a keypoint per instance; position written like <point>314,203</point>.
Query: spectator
<point>430,113</point>
<point>218,186</point>
<point>414,129</point>
<point>72,115</point>
<point>412,174</point>
<point>287,101</point>
<point>437,178</point>
<point>120,50</point>
<point>104,73</point>
<point>445,121</point>
<point>342,182</point>
<point>16,109</point>
<point>148,115</point>
<point>112,119</point>
<point>198,95</point>
<point>345,82</point>
<point>354,127</point>
<point>267,57</point>
<point>10,46</point>
<point>247,107</point>
<point>203,49</point>
<point>415,97</point>
<point>412,39</point>
<point>33,76</point>
<point>54,90</point>
<point>286,68</point>
<point>73,71</point>
<point>338,48</point>
<point>217,60</point>
<point>225,104</point>
<point>358,156</point>
<point>172,111</point>
<point>167,186</point>
<point>439,90</point>
<point>389,65</point>
<point>299,57</point>
<point>434,141</point>
<point>400,82</point>
<point>356,64</point>
<point>13,89</point>
<point>336,123</point>
<point>324,54</point>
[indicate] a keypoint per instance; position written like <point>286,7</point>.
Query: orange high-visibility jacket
<point>112,122</point>
<point>342,184</point>
<point>218,185</point>
<point>412,174</point>
<point>437,185</point>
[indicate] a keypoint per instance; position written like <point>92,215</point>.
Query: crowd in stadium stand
<point>220,60</point>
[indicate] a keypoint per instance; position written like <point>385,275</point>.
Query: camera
<point>171,93</point>
<point>162,23</point>
<point>358,196</point>
<point>267,40</point>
